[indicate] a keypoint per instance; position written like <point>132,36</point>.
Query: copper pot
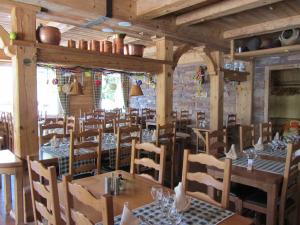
<point>107,46</point>
<point>118,43</point>
<point>83,45</point>
<point>94,45</point>
<point>71,44</point>
<point>136,50</point>
<point>48,35</point>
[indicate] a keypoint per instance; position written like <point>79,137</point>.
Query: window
<point>6,88</point>
<point>48,98</point>
<point>112,93</point>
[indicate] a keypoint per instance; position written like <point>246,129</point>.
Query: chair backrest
<point>200,117</point>
<point>148,162</point>
<point>265,132</point>
<point>247,136</point>
<point>290,178</point>
<point>88,115</point>
<point>151,114</point>
<point>204,178</point>
<point>121,123</point>
<point>99,113</point>
<point>145,112</point>
<point>166,135</point>
<point>103,205</point>
<point>92,159</point>
<point>133,112</point>
<point>91,124</point>
<point>216,141</point>
<point>184,115</point>
<point>48,131</point>
<point>108,124</point>
<point>125,135</point>
<point>231,120</point>
<point>70,124</point>
<point>44,193</point>
<point>174,115</point>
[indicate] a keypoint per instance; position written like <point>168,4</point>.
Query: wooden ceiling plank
<point>7,5</point>
<point>263,28</point>
<point>217,10</point>
<point>150,9</point>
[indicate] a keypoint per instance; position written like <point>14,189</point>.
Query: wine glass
<point>174,216</point>
<point>157,194</point>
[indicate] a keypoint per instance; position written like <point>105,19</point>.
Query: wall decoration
<point>98,82</point>
<point>88,73</point>
<point>55,81</point>
<point>200,78</point>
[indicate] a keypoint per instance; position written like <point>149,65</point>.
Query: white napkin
<point>276,137</point>
<point>259,145</point>
<point>182,202</point>
<point>154,135</point>
<point>231,154</point>
<point>128,218</point>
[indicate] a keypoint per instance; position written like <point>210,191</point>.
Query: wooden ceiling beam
<point>220,9</point>
<point>263,28</point>
<point>150,9</point>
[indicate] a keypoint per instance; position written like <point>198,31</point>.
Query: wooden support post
<point>244,98</point>
<point>164,88</point>
<point>25,84</point>
<point>216,92</point>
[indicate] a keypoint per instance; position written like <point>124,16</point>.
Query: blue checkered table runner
<point>200,213</point>
<point>262,165</point>
<point>63,153</point>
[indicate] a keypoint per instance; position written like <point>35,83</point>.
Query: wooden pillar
<point>164,88</point>
<point>244,98</point>
<point>216,91</point>
<point>25,84</point>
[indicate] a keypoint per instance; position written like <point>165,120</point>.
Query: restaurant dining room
<point>150,112</point>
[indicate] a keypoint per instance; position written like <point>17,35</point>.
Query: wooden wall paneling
<point>244,97</point>
<point>25,84</point>
<point>217,92</point>
<point>164,88</point>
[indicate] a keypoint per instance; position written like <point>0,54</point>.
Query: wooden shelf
<point>267,52</point>
<point>234,75</point>
<point>64,56</point>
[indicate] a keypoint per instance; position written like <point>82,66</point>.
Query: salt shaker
<point>250,164</point>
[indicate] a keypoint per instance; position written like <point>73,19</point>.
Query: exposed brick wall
<point>185,94</point>
<point>259,81</point>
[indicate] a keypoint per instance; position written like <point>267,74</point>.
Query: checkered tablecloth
<point>262,165</point>
<point>200,213</point>
<point>63,153</point>
<point>275,153</point>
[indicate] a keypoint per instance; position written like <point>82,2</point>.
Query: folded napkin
<point>259,145</point>
<point>154,135</point>
<point>276,137</point>
<point>231,154</point>
<point>128,218</point>
<point>182,202</point>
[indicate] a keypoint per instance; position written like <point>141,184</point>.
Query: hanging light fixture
<point>136,89</point>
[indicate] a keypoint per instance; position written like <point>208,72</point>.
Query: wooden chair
<point>231,120</point>
<point>151,114</point>
<point>121,123</point>
<point>166,135</point>
<point>147,162</point>
<point>108,124</point>
<point>184,120</point>
<point>265,132</point>
<point>99,113</point>
<point>145,113</point>
<point>92,160</point>
<point>43,185</point>
<point>70,124</point>
<point>247,136</point>
<point>174,115</point>
<point>124,141</point>
<point>289,191</point>
<point>216,142</point>
<point>91,124</point>
<point>103,205</point>
<point>48,131</point>
<point>207,179</point>
<point>133,112</point>
<point>200,118</point>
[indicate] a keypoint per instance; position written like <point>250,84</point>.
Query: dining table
<point>137,195</point>
<point>266,175</point>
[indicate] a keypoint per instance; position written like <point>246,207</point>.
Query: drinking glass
<point>157,195</point>
<point>174,216</point>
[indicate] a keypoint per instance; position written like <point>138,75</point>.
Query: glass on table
<point>174,216</point>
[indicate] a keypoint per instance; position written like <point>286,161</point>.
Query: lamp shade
<point>135,90</point>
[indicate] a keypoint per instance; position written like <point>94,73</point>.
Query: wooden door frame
<point>268,71</point>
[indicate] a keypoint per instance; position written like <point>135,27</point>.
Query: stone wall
<point>185,94</point>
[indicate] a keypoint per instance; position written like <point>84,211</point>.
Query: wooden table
<point>12,165</point>
<point>137,195</point>
<point>268,182</point>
